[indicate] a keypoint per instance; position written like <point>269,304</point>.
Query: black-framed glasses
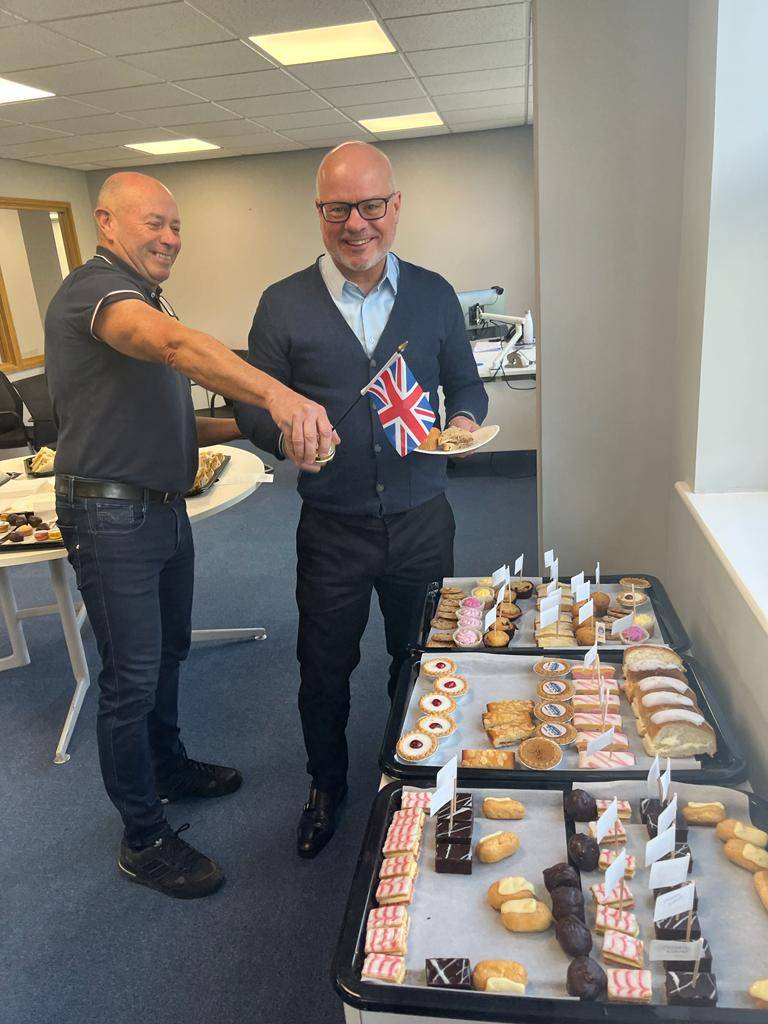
<point>369,209</point>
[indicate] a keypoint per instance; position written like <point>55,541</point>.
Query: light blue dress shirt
<point>367,315</point>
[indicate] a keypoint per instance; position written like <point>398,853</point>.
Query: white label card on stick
<point>549,557</point>
<point>590,656</point>
<point>679,901</point>
<point>607,820</point>
<point>671,949</point>
<point>623,623</point>
<point>441,796</point>
<point>553,600</point>
<point>501,593</point>
<point>577,580</point>
<point>586,611</point>
<point>551,587</point>
<point>652,782</point>
<point>447,774</point>
<point>549,616</point>
<point>490,618</point>
<point>519,565</point>
<point>660,846</point>
<point>500,575</point>
<point>668,815</point>
<point>666,873</point>
<point>666,778</point>
<point>597,575</point>
<point>605,739</point>
<point>615,871</point>
<point>582,593</point>
<point>555,569</point>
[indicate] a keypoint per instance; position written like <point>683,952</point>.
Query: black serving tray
<point>727,766</point>
<point>195,493</point>
<point>672,630</point>
<point>455,1004</point>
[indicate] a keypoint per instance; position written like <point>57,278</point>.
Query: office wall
<point>36,181</point>
<point>19,285</point>
<point>467,213</point>
<point>609,142</point>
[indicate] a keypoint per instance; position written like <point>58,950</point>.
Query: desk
<point>242,476</point>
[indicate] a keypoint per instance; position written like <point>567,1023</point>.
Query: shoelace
<point>181,852</point>
<point>199,766</point>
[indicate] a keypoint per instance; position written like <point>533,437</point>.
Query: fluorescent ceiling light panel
<point>171,146</point>
<point>333,42</point>
<point>402,122</point>
<point>13,92</point>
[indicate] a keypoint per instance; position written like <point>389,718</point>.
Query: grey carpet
<point>81,945</point>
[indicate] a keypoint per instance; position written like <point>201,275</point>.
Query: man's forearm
<point>212,430</point>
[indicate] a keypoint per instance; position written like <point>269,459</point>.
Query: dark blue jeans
<point>134,563</point>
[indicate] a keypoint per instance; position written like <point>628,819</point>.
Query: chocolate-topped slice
<point>567,901</point>
<point>448,972</point>
<point>652,824</point>
<point>561,874</point>
<point>463,803</point>
<point>578,805</point>
<point>684,988</point>
<point>680,850</point>
<point>676,927</point>
<point>671,888</point>
<point>453,859</point>
<point>649,806</point>
<point>705,961</point>
<point>458,831</point>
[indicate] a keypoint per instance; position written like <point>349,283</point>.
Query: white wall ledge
<point>736,527</point>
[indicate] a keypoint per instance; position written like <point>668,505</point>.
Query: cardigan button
<point>377,448</point>
<point>379,488</point>
<point>374,364</point>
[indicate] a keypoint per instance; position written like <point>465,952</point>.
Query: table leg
<point>20,655</point>
<point>251,633</point>
<point>71,621</point>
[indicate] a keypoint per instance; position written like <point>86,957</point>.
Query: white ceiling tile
<point>474,81</point>
<point>288,103</point>
<point>140,97</point>
<point>214,131</point>
<point>94,125</point>
<point>16,134</point>
<point>232,87</point>
<point>326,74</point>
<point>482,25</point>
<point>258,17</point>
<point>45,10</point>
<point>482,126</point>
<point>320,136</point>
<point>7,19</point>
<point>249,139</point>
<point>508,54</point>
<point>391,109</point>
<point>196,113</point>
<point>141,30</point>
<point>409,8</point>
<point>77,143</point>
<point>86,167</point>
<point>414,133</point>
<point>85,76</point>
<point>32,46</point>
<point>404,89</point>
<point>304,119</point>
<point>488,98</point>
<point>457,117</point>
<point>277,145</point>
<point>53,108</point>
<point>200,61</point>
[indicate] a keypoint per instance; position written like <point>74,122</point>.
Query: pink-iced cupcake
<point>634,635</point>
<point>473,602</point>
<point>466,638</point>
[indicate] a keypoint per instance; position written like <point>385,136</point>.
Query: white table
<point>244,473</point>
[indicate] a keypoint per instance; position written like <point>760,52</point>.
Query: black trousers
<point>341,560</point>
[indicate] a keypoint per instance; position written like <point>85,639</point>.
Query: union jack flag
<point>403,408</point>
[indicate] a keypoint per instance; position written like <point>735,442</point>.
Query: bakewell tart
<point>416,746</point>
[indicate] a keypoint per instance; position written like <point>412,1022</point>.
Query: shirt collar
<point>336,282</point>
<point>110,257</point>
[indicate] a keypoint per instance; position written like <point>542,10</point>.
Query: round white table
<point>242,475</point>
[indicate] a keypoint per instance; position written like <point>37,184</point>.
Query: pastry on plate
<point>487,759</point>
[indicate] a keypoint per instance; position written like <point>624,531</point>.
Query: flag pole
<point>398,352</point>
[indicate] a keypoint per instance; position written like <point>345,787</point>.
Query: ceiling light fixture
<point>333,42</point>
<point>14,92</point>
<point>402,122</point>
<point>168,146</point>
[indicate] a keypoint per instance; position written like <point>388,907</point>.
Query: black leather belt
<point>77,487</point>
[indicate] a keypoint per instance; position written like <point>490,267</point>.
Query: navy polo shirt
<point>118,418</point>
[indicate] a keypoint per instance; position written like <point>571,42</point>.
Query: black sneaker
<point>172,867</point>
<point>198,779</point>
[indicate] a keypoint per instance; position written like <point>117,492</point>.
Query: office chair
<point>34,394</point>
<point>13,432</point>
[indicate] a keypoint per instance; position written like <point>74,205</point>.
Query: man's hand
<point>465,424</point>
<point>307,464</point>
<point>307,431</point>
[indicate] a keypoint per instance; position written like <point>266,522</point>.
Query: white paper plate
<point>483,435</point>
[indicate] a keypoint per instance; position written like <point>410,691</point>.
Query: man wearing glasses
<point>370,519</point>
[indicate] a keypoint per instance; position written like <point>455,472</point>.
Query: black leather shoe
<point>318,820</point>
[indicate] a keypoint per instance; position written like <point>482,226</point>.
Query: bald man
<point>119,366</point>
<point>370,519</point>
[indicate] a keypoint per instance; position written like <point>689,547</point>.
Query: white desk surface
<point>244,473</point>
<point>486,353</point>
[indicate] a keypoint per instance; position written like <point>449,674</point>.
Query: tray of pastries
<point>210,467</point>
<point>20,530</point>
<point>496,907</point>
<point>41,463</point>
<point>557,718</point>
<point>627,610</point>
